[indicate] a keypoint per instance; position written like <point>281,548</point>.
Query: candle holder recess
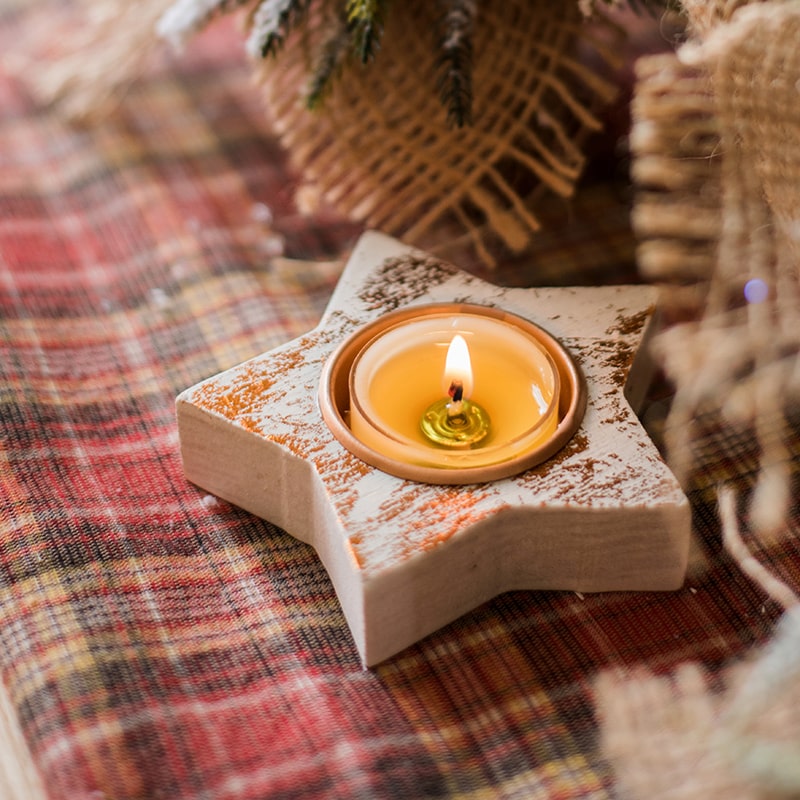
<point>525,429</point>
<point>586,503</point>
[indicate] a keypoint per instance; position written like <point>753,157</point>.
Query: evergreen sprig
<point>273,21</point>
<point>366,18</point>
<point>454,80</point>
<point>333,54</point>
<point>356,31</point>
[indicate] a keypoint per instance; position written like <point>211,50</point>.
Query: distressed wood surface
<point>405,558</point>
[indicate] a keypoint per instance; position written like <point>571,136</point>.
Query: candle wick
<point>455,409</point>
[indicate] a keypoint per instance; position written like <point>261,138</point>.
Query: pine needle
<point>454,81</point>
<point>366,18</point>
<point>272,22</point>
<point>333,54</point>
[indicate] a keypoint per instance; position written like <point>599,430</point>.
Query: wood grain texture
<point>405,558</point>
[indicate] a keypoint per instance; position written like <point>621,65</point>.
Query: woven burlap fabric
<point>380,150</point>
<point>670,736</point>
<point>705,15</point>
<point>156,643</point>
<point>691,735</point>
<point>716,142</point>
<point>676,169</point>
<point>718,162</point>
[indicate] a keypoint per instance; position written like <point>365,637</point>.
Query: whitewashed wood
<point>406,558</point>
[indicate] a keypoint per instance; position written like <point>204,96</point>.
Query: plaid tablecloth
<point>158,643</point>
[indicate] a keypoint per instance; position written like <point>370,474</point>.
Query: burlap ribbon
<point>381,151</point>
<point>717,163</point>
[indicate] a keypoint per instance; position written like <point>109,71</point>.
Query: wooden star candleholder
<point>594,508</point>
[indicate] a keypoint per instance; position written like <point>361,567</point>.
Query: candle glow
<point>458,366</point>
<point>510,379</point>
<point>455,422</point>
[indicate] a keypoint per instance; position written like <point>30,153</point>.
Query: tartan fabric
<point>158,643</point>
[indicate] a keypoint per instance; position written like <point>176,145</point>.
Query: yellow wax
<point>399,374</point>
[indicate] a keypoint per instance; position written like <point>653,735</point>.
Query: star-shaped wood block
<point>603,514</point>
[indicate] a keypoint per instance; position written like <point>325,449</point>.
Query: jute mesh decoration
<point>737,198</point>
<point>682,737</point>
<point>380,149</point>
<point>676,142</point>
<point>678,737</point>
<point>705,15</point>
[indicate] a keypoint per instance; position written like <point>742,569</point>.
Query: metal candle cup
<point>378,385</point>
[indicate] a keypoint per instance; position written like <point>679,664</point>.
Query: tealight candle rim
<point>333,398</point>
<point>542,422</point>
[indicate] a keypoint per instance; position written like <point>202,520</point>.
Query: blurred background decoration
<point>460,126</point>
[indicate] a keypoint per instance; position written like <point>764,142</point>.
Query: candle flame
<point>458,366</point>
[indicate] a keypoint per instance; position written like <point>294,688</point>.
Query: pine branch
<point>365,18</point>
<point>332,56</point>
<point>272,22</point>
<point>454,81</point>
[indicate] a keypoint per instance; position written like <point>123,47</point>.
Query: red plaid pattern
<point>157,643</point>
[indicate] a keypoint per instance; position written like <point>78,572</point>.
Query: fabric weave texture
<point>158,643</point>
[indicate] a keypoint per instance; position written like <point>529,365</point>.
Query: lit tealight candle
<point>499,388</point>
<point>453,421</point>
